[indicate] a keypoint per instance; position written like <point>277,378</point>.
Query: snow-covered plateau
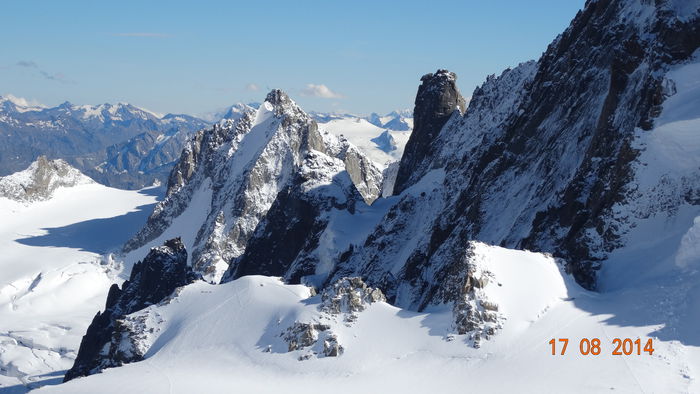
<point>55,273</point>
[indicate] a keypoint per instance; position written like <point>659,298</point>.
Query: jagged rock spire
<point>436,100</point>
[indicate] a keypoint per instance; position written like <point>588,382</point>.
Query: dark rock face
<point>633,65</point>
<point>539,160</point>
<point>151,281</point>
<point>286,241</point>
<point>437,99</point>
<point>288,228</point>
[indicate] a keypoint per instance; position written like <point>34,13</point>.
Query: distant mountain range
<point>128,147</point>
<point>118,145</point>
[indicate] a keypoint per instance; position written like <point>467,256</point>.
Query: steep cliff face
<point>437,99</point>
<point>238,169</point>
<point>151,281</point>
<point>544,157</point>
<point>293,239</point>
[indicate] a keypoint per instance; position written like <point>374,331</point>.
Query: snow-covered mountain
<point>124,146</point>
<point>588,157</point>
<point>116,144</point>
<point>40,180</point>
<point>381,138</point>
<point>395,120</point>
<point>232,112</point>
<point>55,267</point>
<point>231,175</point>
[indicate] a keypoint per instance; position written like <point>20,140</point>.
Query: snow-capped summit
<point>230,176</point>
<point>232,112</point>
<point>40,180</point>
<point>110,112</point>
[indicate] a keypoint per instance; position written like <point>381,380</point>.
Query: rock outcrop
<point>343,300</point>
<point>437,99</point>
<point>40,180</point>
<point>317,339</point>
<point>107,342</point>
<point>349,296</point>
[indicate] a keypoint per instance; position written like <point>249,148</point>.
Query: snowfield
<point>53,277</point>
<point>361,133</point>
<point>219,338</point>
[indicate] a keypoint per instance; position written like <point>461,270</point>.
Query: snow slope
<point>660,240</point>
<point>53,278</point>
<point>360,133</point>
<point>218,338</point>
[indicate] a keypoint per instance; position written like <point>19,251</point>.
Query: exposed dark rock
<point>437,99</point>
<point>301,335</point>
<point>286,240</point>
<point>151,281</point>
<point>540,158</point>
<point>349,296</point>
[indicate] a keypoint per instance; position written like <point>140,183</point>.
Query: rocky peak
<point>242,166</point>
<point>277,97</point>
<point>40,180</point>
<point>437,99</point>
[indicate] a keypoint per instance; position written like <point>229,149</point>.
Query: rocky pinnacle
<point>436,100</point>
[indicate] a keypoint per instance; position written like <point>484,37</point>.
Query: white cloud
<point>251,87</point>
<point>321,91</point>
<point>23,102</point>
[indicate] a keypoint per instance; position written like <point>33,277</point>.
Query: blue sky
<point>194,57</point>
